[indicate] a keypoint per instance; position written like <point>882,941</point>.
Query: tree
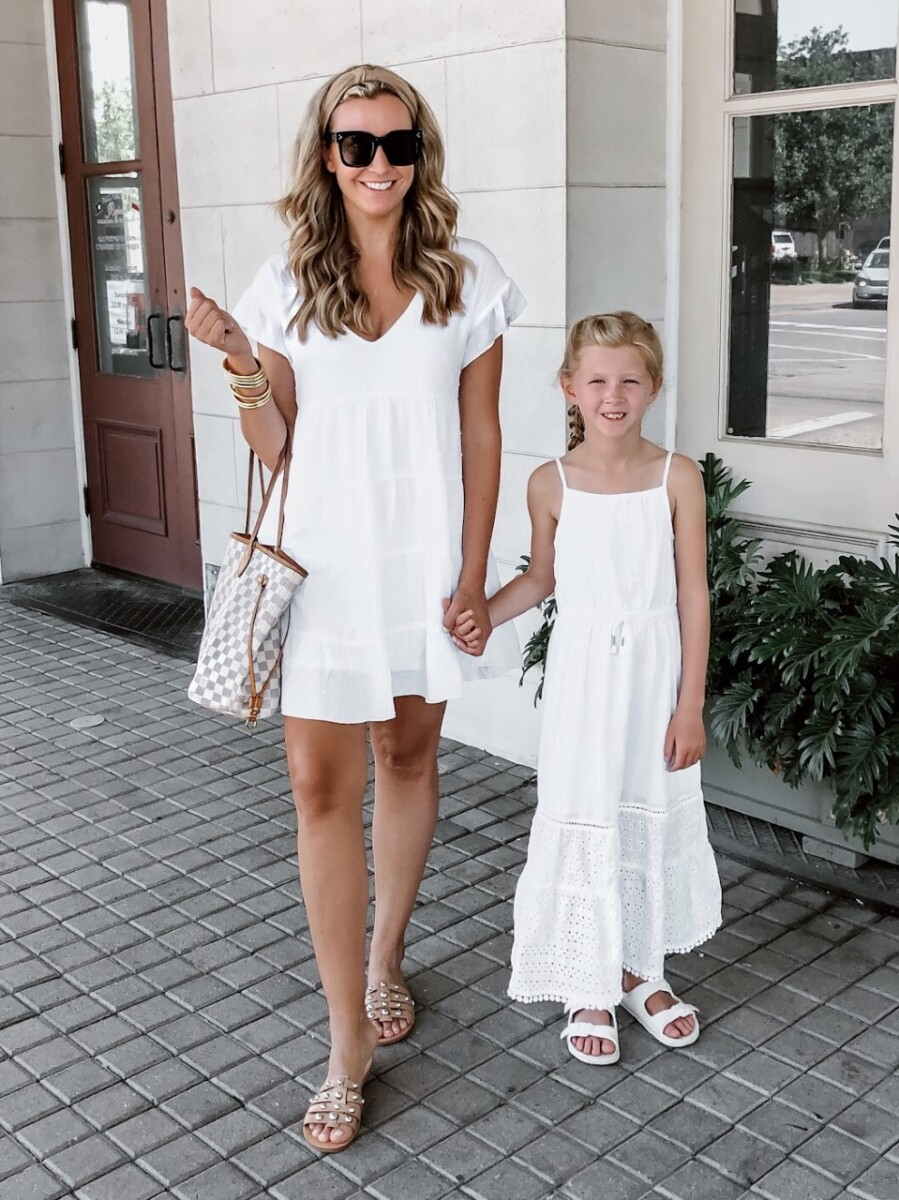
<point>830,165</point>
<point>115,123</point>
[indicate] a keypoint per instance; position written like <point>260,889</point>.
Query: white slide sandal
<point>607,1033</point>
<point>634,1002</point>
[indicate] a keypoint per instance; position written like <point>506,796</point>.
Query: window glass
<point>812,43</point>
<point>810,275</point>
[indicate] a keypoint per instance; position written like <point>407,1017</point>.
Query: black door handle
<point>174,342</point>
<point>151,342</point>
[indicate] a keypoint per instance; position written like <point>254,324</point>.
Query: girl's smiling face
<point>378,190</point>
<point>612,387</point>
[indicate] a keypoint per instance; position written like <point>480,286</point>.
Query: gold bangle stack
<point>247,383</point>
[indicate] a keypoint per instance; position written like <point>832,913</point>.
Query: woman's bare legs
<point>328,772</point>
<point>405,813</point>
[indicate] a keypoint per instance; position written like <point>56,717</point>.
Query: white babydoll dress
<point>620,872</point>
<point>375,501</point>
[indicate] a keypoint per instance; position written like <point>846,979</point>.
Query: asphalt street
<point>826,367</point>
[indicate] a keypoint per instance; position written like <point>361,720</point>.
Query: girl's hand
<point>471,605</point>
<point>466,634</point>
<point>685,739</point>
<point>216,328</point>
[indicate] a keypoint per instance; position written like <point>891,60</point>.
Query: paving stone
<point>78,1164</point>
<point>869,1123</point>
<point>178,1160</point>
<point>144,1132</point>
<point>54,1132</point>
<point>199,1105</point>
<point>35,1183</point>
<point>649,1156</point>
<point>794,1181</point>
<point>26,1105</point>
<point>781,1125</point>
<point>316,1180</point>
<point>741,1157</point>
<point>603,1179</point>
<point>274,1157</point>
<point>507,1181</point>
<point>699,1181</point>
<point>126,1183</point>
<point>880,1182</point>
<point>836,1155</point>
<point>460,1157</point>
<point>220,1182</point>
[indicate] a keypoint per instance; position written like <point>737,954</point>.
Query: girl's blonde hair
<point>611,330</point>
<point>320,255</point>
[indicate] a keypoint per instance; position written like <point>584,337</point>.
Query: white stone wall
<point>572,205</point>
<point>617,164</point>
<point>40,525</point>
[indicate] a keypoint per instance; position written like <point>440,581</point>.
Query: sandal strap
<point>338,1102</point>
<point>606,1033</point>
<point>388,1001</point>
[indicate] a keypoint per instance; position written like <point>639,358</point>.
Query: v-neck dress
<point>375,500</point>
<point>619,872</point>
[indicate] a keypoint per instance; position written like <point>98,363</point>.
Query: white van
<point>783,248</point>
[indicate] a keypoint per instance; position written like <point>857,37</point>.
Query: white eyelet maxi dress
<point>375,502</point>
<point>620,872</point>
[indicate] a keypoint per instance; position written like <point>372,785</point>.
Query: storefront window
<point>810,272</point>
<point>785,44</point>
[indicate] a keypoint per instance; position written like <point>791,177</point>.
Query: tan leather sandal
<point>390,1002</point>
<point>337,1105</point>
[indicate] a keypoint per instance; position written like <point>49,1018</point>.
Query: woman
<point>378,336</point>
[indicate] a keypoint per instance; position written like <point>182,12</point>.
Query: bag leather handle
<point>281,467</point>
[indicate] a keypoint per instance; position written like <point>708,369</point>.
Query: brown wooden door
<point>119,163</point>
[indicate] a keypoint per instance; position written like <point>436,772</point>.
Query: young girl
<point>619,872</point>
<point>376,338</point>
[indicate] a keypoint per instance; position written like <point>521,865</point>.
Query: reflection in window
<point>106,67</point>
<point>810,275</point>
<point>119,276</point>
<point>812,43</point>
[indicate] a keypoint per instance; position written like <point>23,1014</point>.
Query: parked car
<point>872,283</point>
<point>782,245</point>
<point>883,244</point>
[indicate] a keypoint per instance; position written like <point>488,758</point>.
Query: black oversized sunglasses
<point>358,148</point>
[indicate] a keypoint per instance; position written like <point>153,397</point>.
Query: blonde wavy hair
<point>320,254</point>
<point>612,330</point>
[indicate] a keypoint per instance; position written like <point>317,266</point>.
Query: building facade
<point>654,156</point>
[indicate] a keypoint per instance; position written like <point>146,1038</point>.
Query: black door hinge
<point>62,158</point>
<point>87,500</point>
<point>74,334</point>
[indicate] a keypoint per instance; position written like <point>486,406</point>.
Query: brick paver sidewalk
<point>161,1025</point>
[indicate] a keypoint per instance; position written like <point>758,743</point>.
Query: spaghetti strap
<point>562,475</point>
<point>667,468</point>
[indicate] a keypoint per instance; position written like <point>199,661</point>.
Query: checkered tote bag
<point>239,666</point>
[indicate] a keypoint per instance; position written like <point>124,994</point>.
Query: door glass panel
<point>119,275</point>
<point>106,70</point>
<point>810,268</point>
<point>811,43</point>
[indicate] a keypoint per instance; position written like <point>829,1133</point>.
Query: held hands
<point>685,739</point>
<point>467,620</point>
<point>216,328</point>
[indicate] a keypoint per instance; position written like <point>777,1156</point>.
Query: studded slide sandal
<point>390,1002</point>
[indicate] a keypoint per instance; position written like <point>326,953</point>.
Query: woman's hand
<point>467,619</point>
<point>216,328</point>
<point>685,739</point>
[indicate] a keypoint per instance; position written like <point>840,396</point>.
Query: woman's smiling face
<point>376,191</point>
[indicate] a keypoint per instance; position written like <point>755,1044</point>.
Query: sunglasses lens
<point>401,147</point>
<point>357,149</point>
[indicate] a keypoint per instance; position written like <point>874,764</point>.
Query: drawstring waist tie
<point>617,620</point>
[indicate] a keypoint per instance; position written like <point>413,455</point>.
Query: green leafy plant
<point>803,664</point>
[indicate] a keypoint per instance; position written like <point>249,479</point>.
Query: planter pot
<point>758,792</point>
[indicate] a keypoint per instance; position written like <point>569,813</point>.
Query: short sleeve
<point>262,311</point>
<point>492,303</point>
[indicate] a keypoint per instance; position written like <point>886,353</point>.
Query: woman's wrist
<point>243,363</point>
